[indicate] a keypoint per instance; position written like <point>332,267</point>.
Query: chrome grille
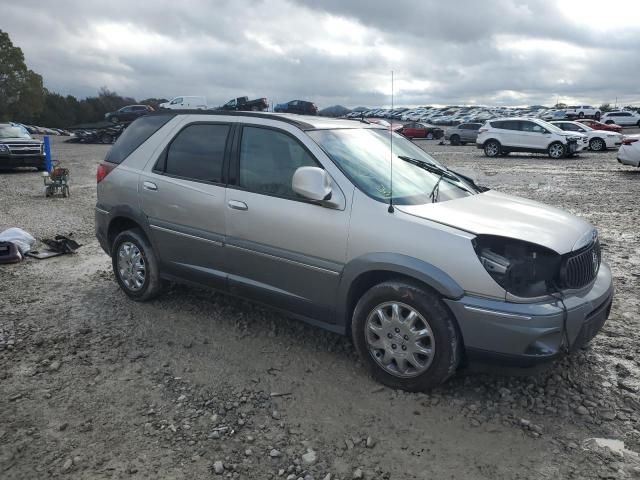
<point>24,148</point>
<point>581,268</point>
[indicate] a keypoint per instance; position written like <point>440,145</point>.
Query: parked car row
<point>454,115</point>
<point>35,130</point>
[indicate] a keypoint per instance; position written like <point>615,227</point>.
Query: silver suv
<point>425,272</point>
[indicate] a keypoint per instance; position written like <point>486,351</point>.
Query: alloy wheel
<point>400,339</point>
<point>597,145</point>
<point>491,149</point>
<point>556,150</point>
<point>131,266</point>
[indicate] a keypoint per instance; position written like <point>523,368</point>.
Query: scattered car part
<point>23,240</point>
<point>9,253</point>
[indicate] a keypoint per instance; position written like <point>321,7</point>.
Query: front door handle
<point>149,186</point>
<point>237,205</point>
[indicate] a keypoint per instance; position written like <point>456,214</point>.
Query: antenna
<point>391,209</point>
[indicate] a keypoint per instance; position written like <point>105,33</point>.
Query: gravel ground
<point>200,385</point>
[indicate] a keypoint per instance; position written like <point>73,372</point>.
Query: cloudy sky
<point>508,52</point>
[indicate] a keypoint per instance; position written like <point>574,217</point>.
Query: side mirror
<point>313,183</point>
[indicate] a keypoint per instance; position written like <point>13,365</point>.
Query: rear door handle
<point>149,186</point>
<point>237,205</point>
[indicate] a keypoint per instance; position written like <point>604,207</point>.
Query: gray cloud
<point>330,51</point>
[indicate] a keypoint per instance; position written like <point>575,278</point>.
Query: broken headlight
<point>523,269</point>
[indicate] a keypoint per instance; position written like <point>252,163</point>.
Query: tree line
<point>24,99</point>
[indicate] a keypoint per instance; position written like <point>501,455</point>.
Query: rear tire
<point>581,115</point>
<point>597,116</point>
<point>492,148</point>
<point>414,320</point>
<point>455,140</point>
<point>106,138</point>
<point>132,254</point>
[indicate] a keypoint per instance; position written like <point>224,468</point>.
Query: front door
<point>282,249</point>
<point>183,196</point>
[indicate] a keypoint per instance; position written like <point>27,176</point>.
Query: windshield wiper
<point>441,172</point>
<point>431,167</point>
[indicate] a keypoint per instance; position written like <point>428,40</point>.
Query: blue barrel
<point>48,162</point>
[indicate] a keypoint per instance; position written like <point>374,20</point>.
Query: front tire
<point>135,265</point>
<point>597,145</point>
<point>581,115</point>
<point>492,148</point>
<point>405,336</point>
<point>557,150</point>
<point>455,140</point>
<point>114,119</point>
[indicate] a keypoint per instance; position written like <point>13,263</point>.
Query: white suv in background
<point>582,111</point>
<point>505,135</point>
<point>599,140</point>
<point>622,118</point>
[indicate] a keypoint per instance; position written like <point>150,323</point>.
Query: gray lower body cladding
<point>532,333</point>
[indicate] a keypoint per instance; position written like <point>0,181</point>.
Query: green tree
<point>605,107</point>
<point>21,92</point>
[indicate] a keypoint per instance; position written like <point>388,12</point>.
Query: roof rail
<point>267,115</point>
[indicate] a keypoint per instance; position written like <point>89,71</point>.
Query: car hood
<point>494,213</point>
<point>572,134</point>
<point>605,132</point>
<point>20,140</point>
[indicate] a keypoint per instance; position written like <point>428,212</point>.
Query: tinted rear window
<point>197,152</point>
<point>135,135</point>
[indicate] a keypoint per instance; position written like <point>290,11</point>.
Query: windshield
<point>363,155</point>
<point>551,127</point>
<point>7,131</point>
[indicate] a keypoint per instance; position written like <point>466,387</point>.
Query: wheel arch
<point>125,219</point>
<point>484,144</point>
<point>364,272</point>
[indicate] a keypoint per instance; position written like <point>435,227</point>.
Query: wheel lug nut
<point>397,330</point>
<point>404,347</point>
<point>394,346</point>
<point>389,335</point>
<point>406,337</point>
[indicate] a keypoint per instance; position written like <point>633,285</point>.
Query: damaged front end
<point>527,270</point>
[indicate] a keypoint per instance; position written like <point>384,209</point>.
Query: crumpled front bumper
<point>527,334</point>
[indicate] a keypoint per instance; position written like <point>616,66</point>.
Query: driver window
<point>268,160</point>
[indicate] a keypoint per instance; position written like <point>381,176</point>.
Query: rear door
<point>282,249</point>
<point>183,197</point>
<point>471,132</point>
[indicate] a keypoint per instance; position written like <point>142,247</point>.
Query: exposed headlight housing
<point>523,269</point>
